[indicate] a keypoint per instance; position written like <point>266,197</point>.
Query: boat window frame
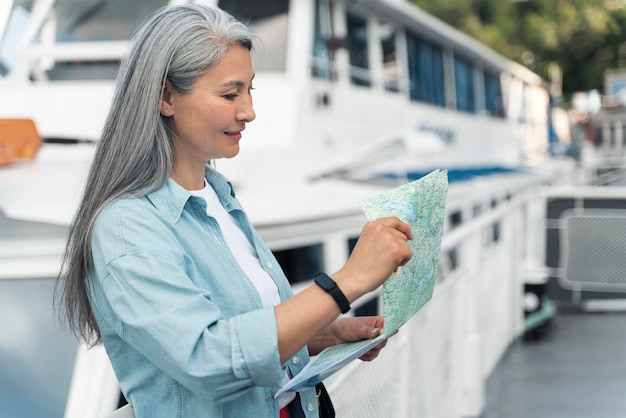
<point>391,74</point>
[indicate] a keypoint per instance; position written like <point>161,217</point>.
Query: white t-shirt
<point>238,243</point>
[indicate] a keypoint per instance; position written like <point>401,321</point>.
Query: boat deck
<point>577,370</point>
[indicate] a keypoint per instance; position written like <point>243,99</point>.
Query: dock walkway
<point>578,370</point>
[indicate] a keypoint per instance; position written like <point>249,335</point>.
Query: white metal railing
<point>438,363</point>
<point>587,224</point>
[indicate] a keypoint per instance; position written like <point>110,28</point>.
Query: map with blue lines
<point>421,204</point>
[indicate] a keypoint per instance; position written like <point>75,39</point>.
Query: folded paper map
<point>421,204</point>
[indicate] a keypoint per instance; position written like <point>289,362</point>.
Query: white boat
<point>352,97</point>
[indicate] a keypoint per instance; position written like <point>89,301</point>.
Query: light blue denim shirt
<point>184,327</point>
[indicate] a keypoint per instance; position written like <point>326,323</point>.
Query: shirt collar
<point>171,198</point>
<point>220,183</point>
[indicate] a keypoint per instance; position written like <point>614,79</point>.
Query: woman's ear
<point>167,107</point>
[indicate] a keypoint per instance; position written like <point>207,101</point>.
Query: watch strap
<point>324,281</point>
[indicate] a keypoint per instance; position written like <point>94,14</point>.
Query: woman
<point>162,265</point>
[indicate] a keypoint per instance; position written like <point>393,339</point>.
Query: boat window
<point>456,219</point>
<point>493,95</point>
<point>391,66</point>
<point>369,308</point>
<point>322,54</point>
<point>36,355</point>
<point>425,71</point>
<point>464,84</point>
<point>11,27</point>
<point>301,263</point>
<point>452,258</point>
<point>492,234</point>
<point>357,48</point>
<point>477,210</point>
<point>269,22</point>
<point>352,243</point>
<point>97,20</point>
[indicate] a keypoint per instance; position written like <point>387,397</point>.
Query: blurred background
<point>521,101</point>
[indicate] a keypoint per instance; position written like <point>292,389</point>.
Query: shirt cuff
<point>255,348</point>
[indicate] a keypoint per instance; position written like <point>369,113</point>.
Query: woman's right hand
<point>382,247</point>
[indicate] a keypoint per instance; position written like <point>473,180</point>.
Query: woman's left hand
<point>351,329</point>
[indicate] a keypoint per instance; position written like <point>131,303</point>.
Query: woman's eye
<point>230,96</point>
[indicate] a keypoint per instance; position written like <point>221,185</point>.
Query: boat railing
<point>585,230</point>
<point>438,363</point>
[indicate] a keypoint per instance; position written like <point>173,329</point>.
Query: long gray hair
<point>135,154</point>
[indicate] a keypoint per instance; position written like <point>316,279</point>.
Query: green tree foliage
<point>582,36</point>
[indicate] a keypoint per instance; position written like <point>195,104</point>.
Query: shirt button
<point>268,265</point>
<point>309,407</point>
<point>296,360</point>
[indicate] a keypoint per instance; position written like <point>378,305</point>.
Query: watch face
<point>325,281</point>
<point>329,286</point>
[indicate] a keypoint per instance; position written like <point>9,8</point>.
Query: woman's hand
<point>351,329</point>
<point>382,247</point>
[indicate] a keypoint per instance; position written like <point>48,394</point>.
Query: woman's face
<point>207,122</point>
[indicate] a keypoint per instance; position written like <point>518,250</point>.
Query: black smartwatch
<point>325,282</point>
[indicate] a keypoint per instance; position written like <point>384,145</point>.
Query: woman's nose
<point>246,113</point>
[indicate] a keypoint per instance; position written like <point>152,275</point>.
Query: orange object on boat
<point>19,140</point>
